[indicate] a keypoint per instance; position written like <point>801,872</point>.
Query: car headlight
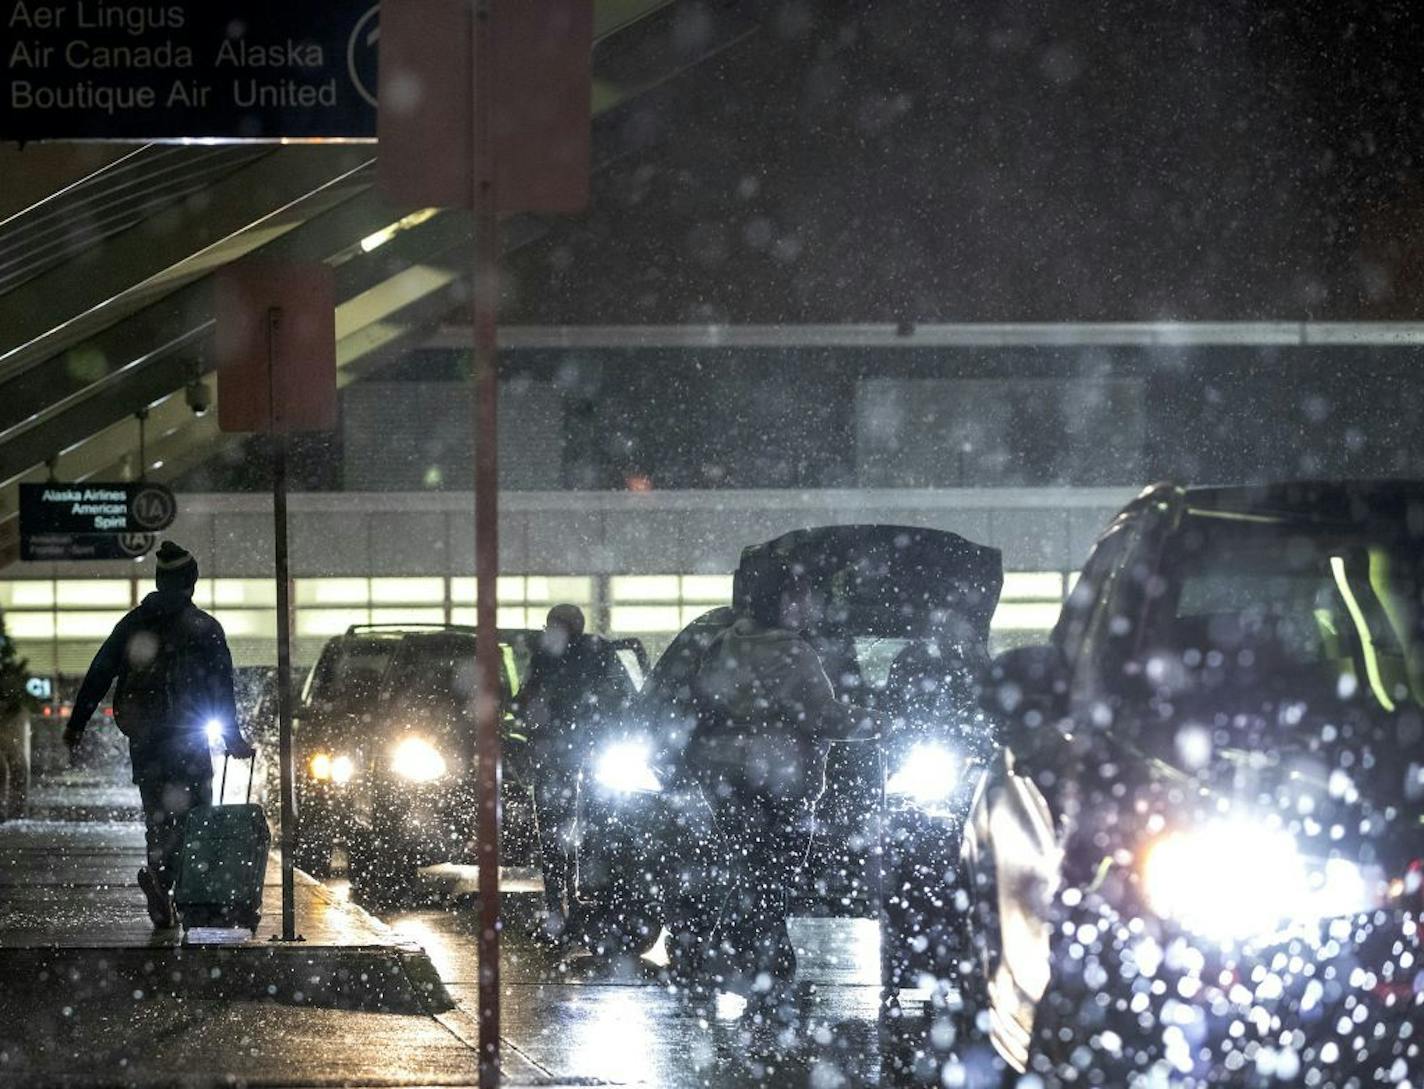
<point>927,775</point>
<point>417,760</point>
<point>328,768</point>
<point>1235,880</point>
<point>624,768</point>
<point>214,730</point>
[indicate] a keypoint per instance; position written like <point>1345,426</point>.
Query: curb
<point>381,979</point>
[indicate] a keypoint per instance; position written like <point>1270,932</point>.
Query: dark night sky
<point>1125,160</point>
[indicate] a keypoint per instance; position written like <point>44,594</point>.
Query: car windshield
<point>876,656</point>
<point>1315,608</point>
<point>348,675</point>
<point>433,675</point>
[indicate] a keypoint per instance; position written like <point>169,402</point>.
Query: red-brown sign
<point>540,117</point>
<point>276,345</point>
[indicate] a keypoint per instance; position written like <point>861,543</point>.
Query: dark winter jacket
<point>167,653</point>
<point>938,689</point>
<point>567,698</point>
<point>926,680</point>
<point>771,714</point>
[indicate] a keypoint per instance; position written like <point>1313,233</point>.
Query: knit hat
<point>177,569</point>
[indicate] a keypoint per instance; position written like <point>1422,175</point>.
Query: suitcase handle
<point>251,774</point>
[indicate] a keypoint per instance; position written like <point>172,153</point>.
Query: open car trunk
<point>879,580</point>
<point>881,588</point>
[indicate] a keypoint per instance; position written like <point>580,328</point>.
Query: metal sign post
<point>524,69</point>
<point>487,688</point>
<point>284,634</point>
<point>276,347</point>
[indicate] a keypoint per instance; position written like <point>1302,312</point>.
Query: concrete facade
<point>594,533</point>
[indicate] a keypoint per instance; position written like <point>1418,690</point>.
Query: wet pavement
<point>579,1020</point>
<point>73,884</point>
<point>567,1019</point>
<point>84,794</point>
<point>92,995</point>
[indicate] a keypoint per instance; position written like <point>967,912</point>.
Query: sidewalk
<point>68,896</point>
<point>83,794</point>
<point>92,995</point>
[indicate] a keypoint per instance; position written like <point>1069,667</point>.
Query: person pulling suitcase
<point>174,674</point>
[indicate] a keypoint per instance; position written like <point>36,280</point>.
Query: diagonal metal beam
<point>72,222</point>
<point>392,294</point>
<point>170,334</point>
<point>378,317</point>
<point>156,256</point>
<point>36,174</point>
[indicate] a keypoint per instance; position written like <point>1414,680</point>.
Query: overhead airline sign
<point>188,69</point>
<point>92,521</point>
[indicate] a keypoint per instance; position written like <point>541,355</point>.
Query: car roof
<point>1347,502</point>
<point>400,631</point>
<point>466,635</point>
<point>367,635</point>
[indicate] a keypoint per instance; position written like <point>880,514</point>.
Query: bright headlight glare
<point>928,774</point>
<point>417,760</point>
<point>214,729</point>
<point>624,768</point>
<point>326,767</point>
<point>1234,881</point>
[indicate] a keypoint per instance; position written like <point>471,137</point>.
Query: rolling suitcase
<point>223,864</point>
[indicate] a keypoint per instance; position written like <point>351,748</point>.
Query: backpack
<point>155,695</point>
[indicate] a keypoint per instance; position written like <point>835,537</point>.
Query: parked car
<point>412,796</point>
<point>649,854</point>
<point>332,721</point>
<point>1196,858</point>
<point>399,782</point>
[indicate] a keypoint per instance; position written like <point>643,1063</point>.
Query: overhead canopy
<point>106,301</point>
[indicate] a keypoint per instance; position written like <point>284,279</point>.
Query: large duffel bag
<point>224,864</point>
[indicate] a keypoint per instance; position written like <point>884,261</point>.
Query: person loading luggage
<point>769,714</point>
<point>174,674</point>
<point>575,683</point>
